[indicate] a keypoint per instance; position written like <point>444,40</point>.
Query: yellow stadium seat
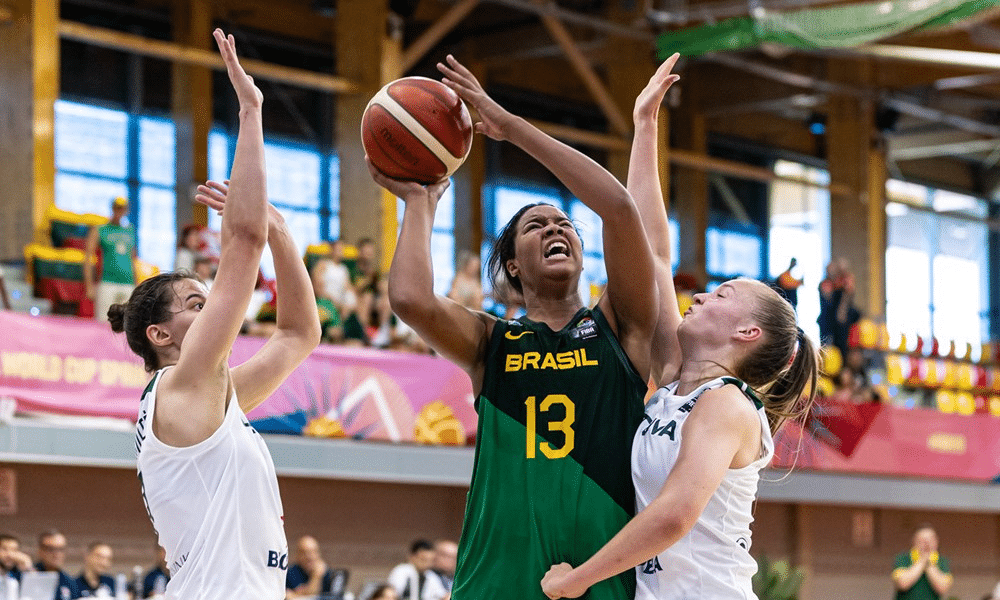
<point>831,359</point>
<point>950,374</point>
<point>894,370</point>
<point>965,376</point>
<point>883,337</point>
<point>994,404</point>
<point>945,401</point>
<point>965,403</point>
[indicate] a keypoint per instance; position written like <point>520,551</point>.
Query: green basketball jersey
<point>552,480</point>
<point>117,244</point>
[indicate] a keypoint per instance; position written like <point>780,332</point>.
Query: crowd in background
<point>426,574</point>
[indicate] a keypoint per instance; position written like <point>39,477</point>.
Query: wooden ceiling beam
<point>586,72</point>
<point>171,51</point>
<point>442,27</point>
<point>5,14</point>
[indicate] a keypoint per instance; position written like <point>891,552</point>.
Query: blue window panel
<point>444,215</point>
<point>589,225</point>
<point>335,196</point>
<point>218,156</point>
<point>83,194</point>
<point>90,139</point>
<point>675,243</point>
<point>508,200</point>
<point>304,227</point>
<point>157,226</point>
<point>292,175</point>
<point>732,253</point>
<point>157,151</point>
<point>443,258</point>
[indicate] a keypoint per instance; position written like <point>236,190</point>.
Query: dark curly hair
<point>148,305</point>
<point>503,249</point>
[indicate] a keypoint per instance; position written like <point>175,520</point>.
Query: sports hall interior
<point>882,153</point>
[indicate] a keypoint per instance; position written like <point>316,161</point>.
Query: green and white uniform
<point>551,481</point>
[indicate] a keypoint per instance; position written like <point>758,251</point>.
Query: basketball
<point>416,129</point>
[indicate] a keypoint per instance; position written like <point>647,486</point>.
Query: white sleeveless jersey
<point>711,562</point>
<point>215,508</point>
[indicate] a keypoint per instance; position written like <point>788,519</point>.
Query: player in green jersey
<point>560,390</point>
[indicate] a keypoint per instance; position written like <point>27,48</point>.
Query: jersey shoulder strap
<point>745,389</point>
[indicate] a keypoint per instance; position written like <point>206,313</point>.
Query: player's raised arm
<point>631,291</point>
<point>244,233</point>
<point>297,327</point>
<point>455,332</point>
<point>644,185</point>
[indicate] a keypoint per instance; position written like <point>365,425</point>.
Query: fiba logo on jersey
<point>277,560</point>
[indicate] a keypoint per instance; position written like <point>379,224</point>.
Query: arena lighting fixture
<point>941,56</point>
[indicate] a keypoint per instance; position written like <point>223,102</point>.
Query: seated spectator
<point>408,578</point>
<point>13,562</point>
<point>95,579</point>
<point>154,584</point>
<point>441,575</point>
<point>311,576</point>
<point>188,248</point>
<point>330,319</point>
<point>384,592</point>
<point>116,243</point>
<point>52,557</point>
<point>371,288</point>
<point>3,292</point>
<point>204,268</point>
<point>467,286</point>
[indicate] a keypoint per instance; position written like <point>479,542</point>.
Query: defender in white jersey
<point>207,478</point>
<point>732,370</point>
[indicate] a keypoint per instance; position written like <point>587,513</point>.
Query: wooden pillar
<point>691,185</point>
<point>360,49</point>
<point>191,100</point>
<point>29,80</point>
<point>804,549</point>
<point>469,181</point>
<point>857,218</point>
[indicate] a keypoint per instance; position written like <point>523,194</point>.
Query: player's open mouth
<point>557,248</point>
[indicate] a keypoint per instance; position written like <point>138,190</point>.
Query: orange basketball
<point>417,129</point>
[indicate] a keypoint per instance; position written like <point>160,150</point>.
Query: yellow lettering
<point>585,362</point>
<point>565,360</point>
<point>531,358</point>
<point>549,362</point>
<point>513,363</point>
<point>576,354</point>
<point>30,365</point>
<point>119,373</point>
<point>80,370</point>
<point>947,443</point>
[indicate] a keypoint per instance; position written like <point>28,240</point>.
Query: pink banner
<point>885,440</point>
<point>78,366</point>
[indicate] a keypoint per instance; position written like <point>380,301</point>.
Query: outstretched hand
<point>494,121</point>
<point>247,93</point>
<point>214,194</point>
<point>647,103</point>
<point>407,190</point>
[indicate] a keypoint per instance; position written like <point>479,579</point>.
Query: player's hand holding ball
<point>494,121</point>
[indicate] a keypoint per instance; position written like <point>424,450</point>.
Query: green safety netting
<point>843,26</point>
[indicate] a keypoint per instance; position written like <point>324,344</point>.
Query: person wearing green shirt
<point>922,573</point>
<point>116,242</point>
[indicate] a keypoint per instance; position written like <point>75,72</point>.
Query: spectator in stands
<point>384,592</point>
<point>441,575</point>
<point>4,298</point>
<point>52,557</point>
<point>311,576</point>
<point>13,562</point>
<point>467,286</point>
<point>95,579</point>
<point>116,243</point>
<point>154,584</point>
<point>408,578</point>
<point>374,312</point>
<point>204,268</point>
<point>188,248</point>
<point>922,573</point>
<point>788,285</point>
<point>837,312</point>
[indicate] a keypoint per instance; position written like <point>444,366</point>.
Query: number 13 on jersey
<point>565,426</point>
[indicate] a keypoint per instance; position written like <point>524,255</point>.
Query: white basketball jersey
<point>711,562</point>
<point>215,508</point>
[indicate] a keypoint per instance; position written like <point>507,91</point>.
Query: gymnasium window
<point>800,228</point>
<point>302,183</point>
<point>442,240</point>
<point>936,263</point>
<point>102,153</point>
